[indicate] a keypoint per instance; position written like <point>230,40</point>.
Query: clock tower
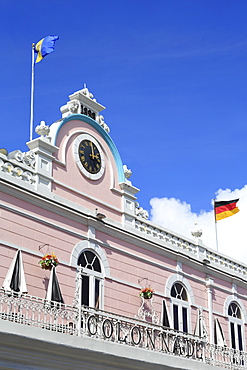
<point>87,169</point>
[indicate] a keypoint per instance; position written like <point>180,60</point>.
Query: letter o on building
<point>136,334</point>
<point>107,328</point>
<point>92,325</point>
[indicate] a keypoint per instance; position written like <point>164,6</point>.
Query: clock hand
<point>92,154</point>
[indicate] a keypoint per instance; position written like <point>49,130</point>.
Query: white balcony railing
<point>65,319</point>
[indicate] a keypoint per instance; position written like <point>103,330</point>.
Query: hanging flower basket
<point>47,267</point>
<point>146,293</point>
<point>48,261</point>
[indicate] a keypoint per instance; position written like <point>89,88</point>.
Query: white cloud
<point>177,216</point>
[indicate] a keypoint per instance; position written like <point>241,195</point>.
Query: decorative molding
<point>42,129</point>
<point>181,279</point>
<point>19,165</point>
<point>127,172</point>
<point>57,126</point>
<point>234,298</point>
<point>89,245</point>
<point>215,259</point>
<point>100,120</point>
<point>83,102</point>
<point>140,212</point>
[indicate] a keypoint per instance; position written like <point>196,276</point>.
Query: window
<point>92,279</point>
<point>180,307</point>
<point>236,324</point>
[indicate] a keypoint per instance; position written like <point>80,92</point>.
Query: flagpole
<point>32,95</point>
<point>215,222</point>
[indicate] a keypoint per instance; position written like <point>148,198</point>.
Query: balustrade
<point>195,250</point>
<point>19,165</point>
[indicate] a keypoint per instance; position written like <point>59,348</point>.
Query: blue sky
<point>172,74</point>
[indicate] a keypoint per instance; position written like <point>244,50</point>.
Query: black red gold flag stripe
<point>225,208</point>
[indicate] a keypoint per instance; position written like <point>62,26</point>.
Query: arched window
<point>236,326</point>
<point>92,279</point>
<point>180,307</point>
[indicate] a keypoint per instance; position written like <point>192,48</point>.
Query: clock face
<point>89,156</point>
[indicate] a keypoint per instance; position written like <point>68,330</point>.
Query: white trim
<point>89,245</point>
<point>179,278</point>
<point>180,304</point>
<point>236,322</point>
<point>182,280</point>
<point>231,299</point>
<point>92,275</point>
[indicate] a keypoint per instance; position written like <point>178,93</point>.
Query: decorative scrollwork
<point>100,120</point>
<point>140,212</point>
<point>73,106</point>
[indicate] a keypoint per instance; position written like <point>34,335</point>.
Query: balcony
<point>101,326</point>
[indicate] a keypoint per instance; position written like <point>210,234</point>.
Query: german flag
<point>225,208</point>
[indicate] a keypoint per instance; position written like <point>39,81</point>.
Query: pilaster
<point>209,288</point>
<point>43,151</point>
<point>129,201</point>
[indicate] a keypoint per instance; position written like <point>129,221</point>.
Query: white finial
<point>42,129</point>
<point>197,233</point>
<point>127,172</point>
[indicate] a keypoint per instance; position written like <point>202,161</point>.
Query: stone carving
<point>28,158</point>
<point>73,106</point>
<point>127,172</point>
<point>100,120</point>
<point>87,93</point>
<point>83,102</point>
<point>197,233</point>
<point>17,171</point>
<point>42,129</point>
<point>140,212</point>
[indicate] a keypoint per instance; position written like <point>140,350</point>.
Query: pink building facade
<point>70,195</point>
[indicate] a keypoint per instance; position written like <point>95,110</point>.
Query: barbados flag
<point>225,209</point>
<point>44,47</point>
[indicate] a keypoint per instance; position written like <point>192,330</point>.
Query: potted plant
<point>146,293</point>
<point>48,261</point>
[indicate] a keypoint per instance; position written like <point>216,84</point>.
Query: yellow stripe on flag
<point>226,214</point>
<point>38,49</point>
